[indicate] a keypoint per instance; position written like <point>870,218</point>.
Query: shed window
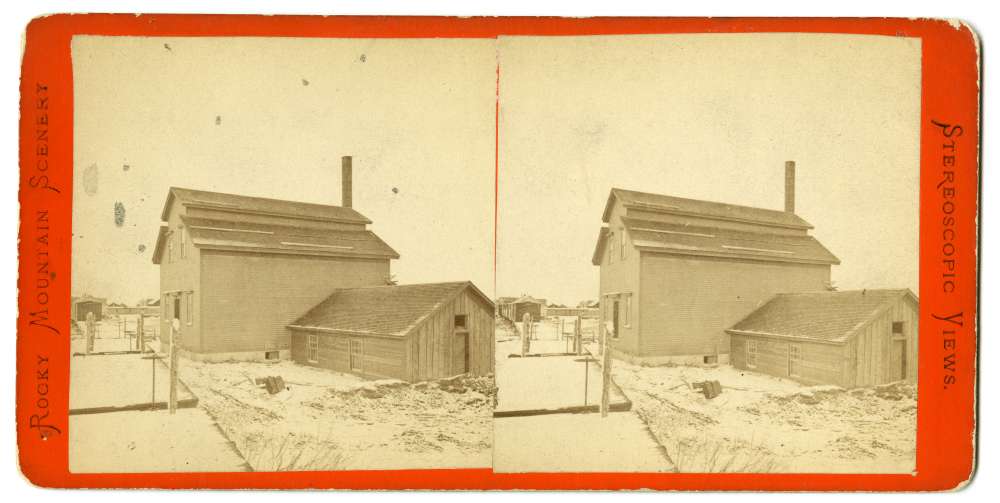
<point>461,323</point>
<point>312,348</point>
<point>189,308</point>
<point>751,353</point>
<point>897,329</point>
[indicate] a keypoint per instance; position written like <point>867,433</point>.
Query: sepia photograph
<point>707,253</point>
<point>282,254</point>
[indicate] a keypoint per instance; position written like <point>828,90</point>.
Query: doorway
<point>356,354</point>
<point>614,318</point>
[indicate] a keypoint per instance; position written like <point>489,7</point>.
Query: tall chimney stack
<point>346,198</point>
<point>790,186</point>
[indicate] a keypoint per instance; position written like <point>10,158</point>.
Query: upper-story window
<point>624,248</point>
<point>611,247</point>
<point>183,244</point>
<point>170,249</point>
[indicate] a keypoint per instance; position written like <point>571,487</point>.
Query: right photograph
<point>707,253</point>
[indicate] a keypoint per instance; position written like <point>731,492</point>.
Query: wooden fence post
<point>175,339</point>
<point>605,375</point>
<point>89,336</point>
<point>140,331</point>
<point>578,336</point>
<point>525,334</point>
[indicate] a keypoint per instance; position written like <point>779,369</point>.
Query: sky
<point>713,117</point>
<point>271,117</point>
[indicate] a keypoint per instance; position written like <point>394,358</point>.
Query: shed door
<point>460,353</point>
<point>897,369</point>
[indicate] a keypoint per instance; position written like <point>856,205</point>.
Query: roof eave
<point>750,333</point>
<point>282,251</point>
<point>701,253</point>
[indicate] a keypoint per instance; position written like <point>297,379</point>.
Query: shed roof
<point>661,203</point>
<point>718,242</point>
<point>820,316</point>
<point>260,205</point>
<point>384,310</point>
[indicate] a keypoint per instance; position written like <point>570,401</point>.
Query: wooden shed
<point>87,304</point>
<point>407,332</point>
<point>849,338</point>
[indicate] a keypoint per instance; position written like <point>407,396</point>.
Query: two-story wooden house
<point>675,273</point>
<point>236,270</point>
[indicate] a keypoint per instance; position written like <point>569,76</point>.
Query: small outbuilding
<point>515,309</point>
<point>407,332</point>
<point>848,338</point>
<point>87,304</point>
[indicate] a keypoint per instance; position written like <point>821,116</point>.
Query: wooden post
<point>140,330</point>
<point>175,339</point>
<point>578,335</point>
<point>525,334</point>
<point>89,336</point>
<point>605,375</point>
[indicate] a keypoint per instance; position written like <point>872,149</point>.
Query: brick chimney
<point>346,198</point>
<point>790,186</point>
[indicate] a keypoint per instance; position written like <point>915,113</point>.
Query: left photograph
<point>282,254</point>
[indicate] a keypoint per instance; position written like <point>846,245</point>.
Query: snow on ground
<point>549,382</point>
<point>762,423</point>
<point>109,338</point>
<point>328,420</point>
<point>619,442</point>
<point>117,381</point>
<point>145,442</point>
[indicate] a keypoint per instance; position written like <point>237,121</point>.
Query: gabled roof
<point>527,299</point>
<point>820,316</point>
<point>260,205</point>
<point>677,239</point>
<point>660,203</point>
<point>602,238</point>
<point>88,298</point>
<point>384,310</point>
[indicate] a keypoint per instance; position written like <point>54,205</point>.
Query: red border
<point>946,414</point>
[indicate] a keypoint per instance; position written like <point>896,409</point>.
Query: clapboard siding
<point>431,351</point>
<point>180,275</point>
<point>819,362</point>
<point>871,361</point>
<point>434,344</point>
<point>249,299</point>
<point>686,304</point>
<point>620,276</point>
<point>381,357</point>
<point>864,359</point>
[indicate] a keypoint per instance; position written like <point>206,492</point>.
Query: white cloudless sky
<point>417,115</point>
<point>713,117</point>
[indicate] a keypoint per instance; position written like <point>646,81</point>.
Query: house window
<point>189,308</point>
<point>183,244</point>
<point>461,323</point>
<point>312,348</point>
<point>623,247</point>
<point>751,353</point>
<point>611,247</point>
<point>897,329</point>
<point>170,249</point>
<point>627,316</point>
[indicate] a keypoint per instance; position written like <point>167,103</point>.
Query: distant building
<point>87,304</point>
<point>855,338</point>
<point>236,270</point>
<point>408,332</point>
<point>514,309</point>
<point>675,273</point>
